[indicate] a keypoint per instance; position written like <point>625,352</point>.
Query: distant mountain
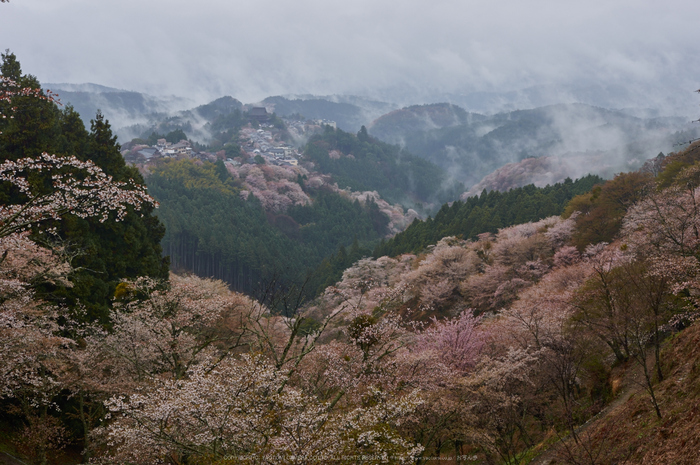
<point>472,145</point>
<point>220,107</point>
<point>350,113</point>
<point>394,126</point>
<point>85,87</point>
<point>196,122</point>
<point>666,98</point>
<point>611,96</point>
<point>120,107</point>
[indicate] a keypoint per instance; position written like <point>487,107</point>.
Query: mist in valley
<point>598,86</point>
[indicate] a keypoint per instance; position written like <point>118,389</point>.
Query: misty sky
<point>253,49</point>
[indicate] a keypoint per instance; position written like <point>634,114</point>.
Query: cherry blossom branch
<point>80,188</point>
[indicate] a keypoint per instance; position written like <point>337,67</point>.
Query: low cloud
<point>409,52</point>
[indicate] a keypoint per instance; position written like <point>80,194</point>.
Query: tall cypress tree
<point>32,128</point>
<point>105,252</point>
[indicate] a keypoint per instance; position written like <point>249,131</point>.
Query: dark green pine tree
<point>74,138</point>
<point>31,128</point>
<point>111,251</point>
<point>103,149</point>
<point>105,252</point>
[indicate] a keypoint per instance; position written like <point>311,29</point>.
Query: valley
<point>270,283</point>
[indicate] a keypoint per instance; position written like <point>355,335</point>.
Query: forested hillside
<point>350,113</point>
<point>566,339</point>
<point>362,163</point>
<point>259,221</point>
<point>214,124</point>
<point>348,117</point>
<point>400,126</point>
<point>581,349</point>
<point>486,213</point>
<point>215,227</point>
<point>581,139</point>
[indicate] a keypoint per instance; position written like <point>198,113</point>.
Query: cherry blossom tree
<point>519,257</point>
<point>456,342</point>
<point>274,186</point>
<point>441,356</point>
<point>34,350</point>
<point>560,233</point>
<point>78,188</point>
<point>480,289</point>
<point>519,244</point>
<point>243,410</point>
<point>27,326</point>
<point>164,330</point>
<point>437,278</point>
<point>540,323</point>
<point>262,405</point>
<point>33,355</point>
<point>666,222</point>
<point>501,397</point>
<point>10,89</point>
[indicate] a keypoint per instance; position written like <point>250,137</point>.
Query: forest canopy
<point>487,213</point>
<point>361,162</point>
<point>214,229</point>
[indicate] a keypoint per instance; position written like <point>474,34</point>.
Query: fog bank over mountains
<point>482,56</point>
<point>121,107</point>
<point>127,108</point>
<point>497,148</point>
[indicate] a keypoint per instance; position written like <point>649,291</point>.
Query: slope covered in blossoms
<point>489,349</point>
<point>562,316</point>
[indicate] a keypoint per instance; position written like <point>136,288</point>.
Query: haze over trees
<point>363,163</point>
<point>487,213</point>
<point>483,345</point>
<point>572,140</point>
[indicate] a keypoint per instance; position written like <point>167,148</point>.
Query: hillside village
<point>263,144</point>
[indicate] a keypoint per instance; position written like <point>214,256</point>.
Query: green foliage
<point>212,231</point>
<point>675,163</point>
<point>601,209</point>
<point>309,326</point>
<point>31,128</point>
<point>359,331</point>
<point>153,138</point>
<point>10,67</point>
<point>365,163</point>
<point>331,269</point>
<point>105,252</point>
<point>176,136</point>
<point>486,213</point>
<point>232,149</point>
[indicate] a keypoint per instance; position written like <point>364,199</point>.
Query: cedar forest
<point>308,320</point>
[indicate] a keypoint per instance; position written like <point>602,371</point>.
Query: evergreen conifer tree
<point>105,252</point>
